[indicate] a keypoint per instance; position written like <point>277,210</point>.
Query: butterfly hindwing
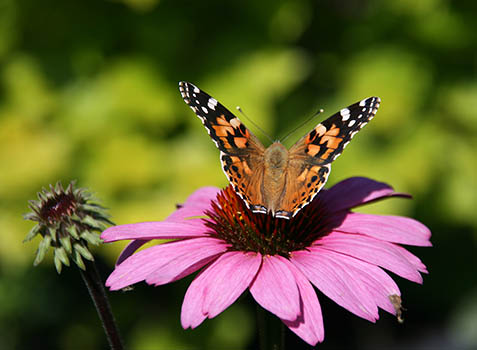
<point>244,180</point>
<point>304,181</point>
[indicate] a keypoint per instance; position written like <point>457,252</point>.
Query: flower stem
<point>271,331</point>
<point>98,294</point>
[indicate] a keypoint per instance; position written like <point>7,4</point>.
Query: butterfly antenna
<point>254,124</point>
<point>301,125</point>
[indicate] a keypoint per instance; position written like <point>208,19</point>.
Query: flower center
<point>56,207</point>
<point>231,221</point>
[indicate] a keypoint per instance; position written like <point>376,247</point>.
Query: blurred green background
<point>88,91</point>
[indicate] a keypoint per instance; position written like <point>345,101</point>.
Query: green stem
<point>98,294</point>
<point>271,330</point>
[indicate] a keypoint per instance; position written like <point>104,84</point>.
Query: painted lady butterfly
<point>276,180</point>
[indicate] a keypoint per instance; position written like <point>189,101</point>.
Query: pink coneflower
<point>325,245</point>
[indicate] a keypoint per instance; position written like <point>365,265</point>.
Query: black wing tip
<point>373,100</point>
<point>377,100</point>
<point>189,91</point>
<point>186,85</point>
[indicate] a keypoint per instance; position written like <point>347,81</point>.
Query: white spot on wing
<point>280,216</point>
<point>351,123</point>
<point>205,109</point>
<point>235,122</point>
<point>212,103</point>
<point>345,114</point>
<point>196,89</point>
<point>363,102</point>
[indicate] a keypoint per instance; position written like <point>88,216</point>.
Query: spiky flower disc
<point>67,220</point>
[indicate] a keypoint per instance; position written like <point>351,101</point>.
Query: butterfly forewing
<point>226,130</point>
<point>328,139</point>
<point>241,151</point>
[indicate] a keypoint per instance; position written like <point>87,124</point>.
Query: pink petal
<point>414,260</point>
<point>228,278</point>
<point>373,251</point>
<point>275,288</point>
<point>130,249</point>
<point>155,230</point>
<point>378,283</point>
<point>191,313</point>
<point>336,282</point>
<point>309,325</point>
<point>186,262</point>
<point>355,191</point>
<point>396,229</point>
<point>189,255</point>
<point>202,196</point>
<point>218,286</point>
<point>189,213</point>
<point>235,272</point>
<point>196,204</point>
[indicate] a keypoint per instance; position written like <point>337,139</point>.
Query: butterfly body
<point>275,158</point>
<point>275,168</point>
<point>277,180</point>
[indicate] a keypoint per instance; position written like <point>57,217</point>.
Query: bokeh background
<point>88,91</point>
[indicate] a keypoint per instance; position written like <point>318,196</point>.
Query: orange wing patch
<point>302,188</point>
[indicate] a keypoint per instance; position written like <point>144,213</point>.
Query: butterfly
<point>277,180</point>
